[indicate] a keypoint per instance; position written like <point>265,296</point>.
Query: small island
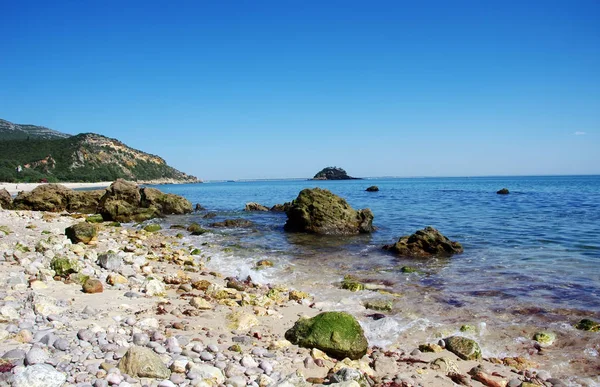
<point>333,173</point>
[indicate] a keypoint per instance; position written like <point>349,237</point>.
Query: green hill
<point>87,157</point>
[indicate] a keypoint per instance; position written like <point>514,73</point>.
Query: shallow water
<point>532,258</point>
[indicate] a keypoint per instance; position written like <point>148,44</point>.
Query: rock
<point>380,305</point>
<point>297,295</point>
<point>503,191</point>
<point>232,223</point>
<point>241,321</point>
<point>463,347</point>
<point>200,303</point>
<point>36,355</point>
<point>96,218</point>
<point>8,313</point>
<point>372,188</point>
<point>196,229</point>
<point>545,337</point>
<point>116,279</point>
<point>425,243</point>
<point>332,173</point>
<point>63,266</point>
<point>155,287</point>
<point>211,376</point>
<point>281,207</point>
<point>44,197</point>
<point>164,203</point>
<point>336,333</point>
<point>255,207</point>
<point>264,263</point>
<point>110,261</point>
<point>92,286</point>
<point>81,232</point>
<point>352,283</point>
<point>143,363</point>
<point>477,373</point>
<point>588,325</point>
<point>39,375</point>
<point>85,202</point>
<point>5,199</point>
<point>198,207</point>
<point>152,227</point>
<point>319,211</point>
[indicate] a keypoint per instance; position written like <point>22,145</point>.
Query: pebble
<point>248,362</point>
<point>213,348</point>
<point>207,356</point>
<point>61,344</point>
<point>85,335</point>
<point>36,355</point>
<point>140,339</point>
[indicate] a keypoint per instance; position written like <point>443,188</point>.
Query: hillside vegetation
<point>86,157</point>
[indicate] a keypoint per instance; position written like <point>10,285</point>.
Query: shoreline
<point>253,317</point>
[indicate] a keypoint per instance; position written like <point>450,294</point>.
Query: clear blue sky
<point>256,89</point>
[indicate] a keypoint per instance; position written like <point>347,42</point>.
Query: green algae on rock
<point>96,218</point>
<point>318,211</point>
<point>545,337</point>
<point>153,227</point>
<point>425,243</point>
<point>63,266</point>
<point>588,325</point>
<point>466,349</point>
<point>352,283</point>
<point>81,232</point>
<point>338,334</point>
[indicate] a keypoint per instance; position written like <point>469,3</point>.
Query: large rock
<point>44,197</point>
<point>319,211</point>
<point>39,375</point>
<point>336,333</point>
<point>252,206</point>
<point>124,201</point>
<point>463,347</point>
<point>232,223</point>
<point>85,202</point>
<point>166,204</point>
<point>81,232</point>
<point>142,362</point>
<point>5,199</point>
<point>332,173</point>
<point>425,243</point>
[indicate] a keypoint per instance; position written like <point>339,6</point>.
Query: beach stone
<point>110,261</point>
<point>8,313</point>
<point>372,188</point>
<point>466,349</point>
<point>293,380</point>
<point>155,287</point>
<point>210,375</point>
<point>39,375</point>
<point>206,356</point>
<point>248,362</point>
<point>116,279</point>
<point>16,356</point>
<point>241,321</point>
<point>425,243</point>
<point>81,232</point>
<point>140,339</point>
<point>319,211</point>
<point>236,381</point>
<point>338,334</point>
<point>142,362</point>
<point>61,344</point>
<point>252,206</point>
<point>545,337</point>
<point>92,286</point>
<point>200,303</point>
<point>36,355</point>
<point>64,266</point>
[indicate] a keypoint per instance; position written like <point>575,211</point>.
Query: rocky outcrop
<point>425,243</point>
<point>338,334</point>
<point>319,211</point>
<point>372,188</point>
<point>252,206</point>
<point>84,201</point>
<point>503,191</point>
<point>125,202</point>
<point>5,199</point>
<point>281,207</point>
<point>332,173</point>
<point>58,198</point>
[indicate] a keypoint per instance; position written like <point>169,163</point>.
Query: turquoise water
<point>538,246</point>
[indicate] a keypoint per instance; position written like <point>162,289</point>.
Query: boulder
<point>425,243</point>
<point>503,191</point>
<point>281,207</point>
<point>39,375</point>
<point>92,286</point>
<point>141,362</point>
<point>255,207</point>
<point>5,199</point>
<point>372,188</point>
<point>85,202</point>
<point>332,173</point>
<point>81,232</point>
<point>319,211</point>
<point>165,203</point>
<point>232,223</point>
<point>63,266</point>
<point>463,347</point>
<point>44,197</point>
<point>336,333</point>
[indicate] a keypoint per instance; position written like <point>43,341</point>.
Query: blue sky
<point>257,89</point>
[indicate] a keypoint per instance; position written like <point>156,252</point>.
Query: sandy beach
<point>15,188</point>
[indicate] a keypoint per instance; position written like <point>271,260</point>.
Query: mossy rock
<point>408,269</point>
<point>196,252</point>
<point>194,227</point>
<point>545,337</point>
<point>153,228</point>
<point>202,231</point>
<point>427,242</point>
<point>63,266</point>
<point>588,325</point>
<point>81,232</point>
<point>381,305</point>
<point>96,218</point>
<point>114,224</point>
<point>352,283</point>
<point>468,328</point>
<point>466,349</point>
<point>338,334</point>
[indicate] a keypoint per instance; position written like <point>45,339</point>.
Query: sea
<point>531,258</point>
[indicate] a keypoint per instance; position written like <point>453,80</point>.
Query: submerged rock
<point>425,243</point>
<point>81,232</point>
<point>372,188</point>
<point>232,223</point>
<point>503,191</point>
<point>255,207</point>
<point>319,211</point>
<point>336,333</point>
<point>466,349</point>
<point>153,228</point>
<point>588,325</point>
<point>143,363</point>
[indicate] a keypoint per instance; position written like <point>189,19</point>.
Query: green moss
<point>22,248</point>
<point>588,325</point>
<point>545,337</point>
<point>5,230</point>
<point>352,283</point>
<point>152,228</point>
<point>63,266</point>
<point>408,269</point>
<point>382,305</point>
<point>196,252</point>
<point>96,218</point>
<point>468,328</point>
